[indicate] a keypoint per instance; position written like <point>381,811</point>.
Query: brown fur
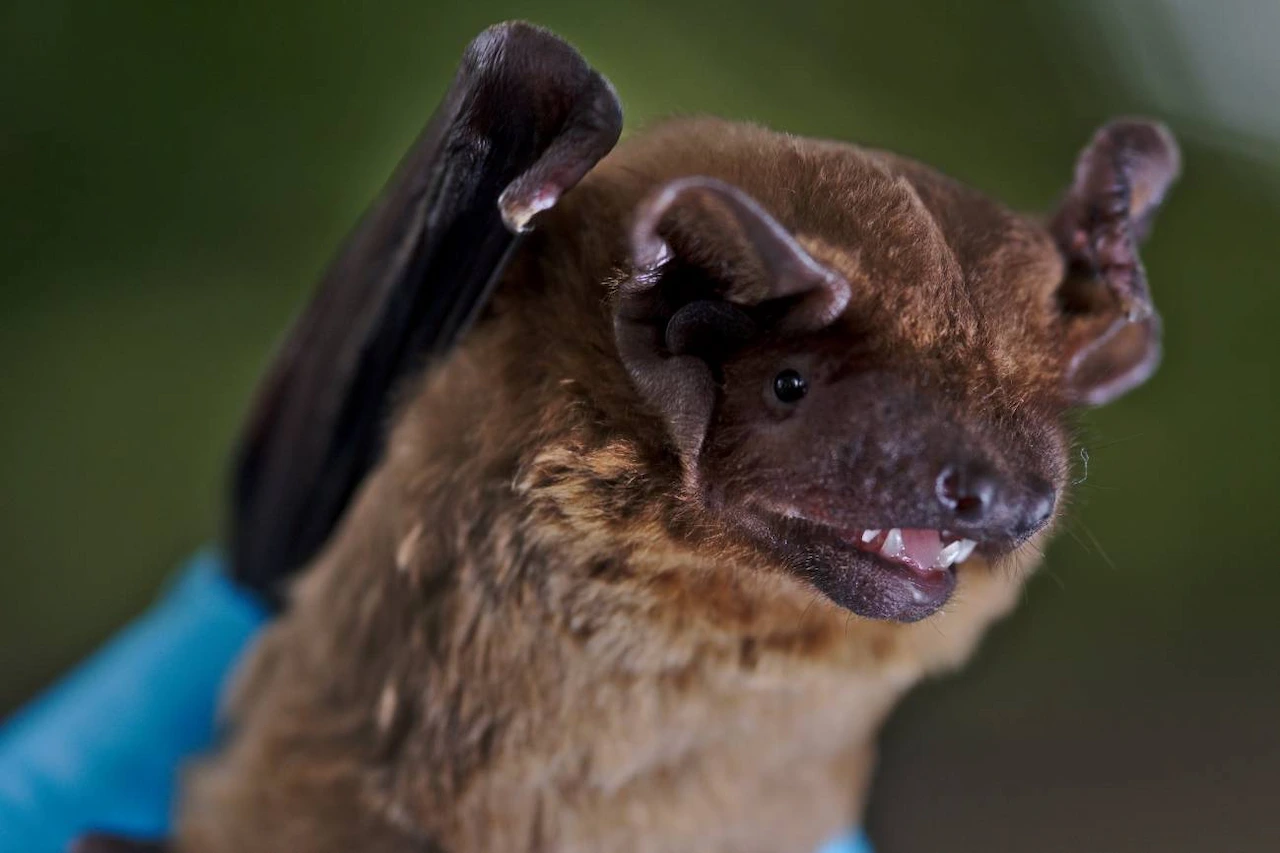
<point>527,635</point>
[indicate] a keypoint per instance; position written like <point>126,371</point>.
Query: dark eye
<point>789,386</point>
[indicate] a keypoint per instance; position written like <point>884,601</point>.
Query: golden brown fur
<point>524,636</point>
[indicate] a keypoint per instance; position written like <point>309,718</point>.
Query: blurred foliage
<point>176,175</point>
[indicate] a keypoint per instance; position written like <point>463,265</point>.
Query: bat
<point>644,558</point>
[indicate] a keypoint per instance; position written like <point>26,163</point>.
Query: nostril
<point>968,493</point>
<point>969,506</point>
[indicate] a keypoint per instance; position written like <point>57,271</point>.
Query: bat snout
<point>977,500</point>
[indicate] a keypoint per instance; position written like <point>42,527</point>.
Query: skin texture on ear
<point>524,120</point>
<point>1112,329</point>
<point>743,258</point>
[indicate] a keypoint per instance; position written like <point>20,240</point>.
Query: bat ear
<point>524,120</point>
<point>710,269</point>
<point>1112,330</point>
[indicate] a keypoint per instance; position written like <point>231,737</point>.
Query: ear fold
<point>1112,330</point>
<point>523,121</point>
<point>709,267</point>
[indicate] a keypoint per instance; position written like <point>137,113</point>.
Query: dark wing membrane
<point>524,121</point>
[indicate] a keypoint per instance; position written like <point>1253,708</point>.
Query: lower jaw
<point>877,588</point>
<point>860,581</point>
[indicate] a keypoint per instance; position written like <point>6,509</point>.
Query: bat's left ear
<point>711,269</point>
<point>1111,328</point>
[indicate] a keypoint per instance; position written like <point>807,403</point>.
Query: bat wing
<point>524,120</point>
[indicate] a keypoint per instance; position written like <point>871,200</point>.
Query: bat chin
<point>877,587</point>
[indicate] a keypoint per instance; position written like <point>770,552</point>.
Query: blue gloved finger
<point>100,750</point>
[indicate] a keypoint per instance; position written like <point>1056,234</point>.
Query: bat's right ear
<point>524,120</point>
<point>1111,328</point>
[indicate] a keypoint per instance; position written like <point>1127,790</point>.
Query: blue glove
<point>848,844</point>
<point>101,749</point>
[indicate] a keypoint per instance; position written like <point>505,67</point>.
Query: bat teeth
<point>947,555</point>
<point>957,552</point>
<point>893,546</point>
<point>868,535</point>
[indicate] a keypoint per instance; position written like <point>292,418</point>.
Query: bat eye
<point>789,386</point>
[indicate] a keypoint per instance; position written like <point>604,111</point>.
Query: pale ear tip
<point>516,220</point>
<point>518,208</point>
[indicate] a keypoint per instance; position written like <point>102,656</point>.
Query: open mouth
<point>899,573</point>
<point>918,549</point>
<point>909,572</point>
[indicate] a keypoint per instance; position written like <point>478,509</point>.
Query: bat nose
<point>980,500</point>
<point>968,491</point>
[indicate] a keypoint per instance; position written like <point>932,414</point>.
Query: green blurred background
<point>175,175</point>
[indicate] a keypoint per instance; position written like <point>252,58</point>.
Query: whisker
<point>1054,576</point>
<point>1075,534</point>
<point>1113,442</point>
<point>813,598</point>
<point>1102,552</point>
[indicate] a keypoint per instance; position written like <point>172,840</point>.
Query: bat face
<point>866,366</point>
<point>873,467</point>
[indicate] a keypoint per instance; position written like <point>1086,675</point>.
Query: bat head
<point>865,368</point>
<point>852,367</point>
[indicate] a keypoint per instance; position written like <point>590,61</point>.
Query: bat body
<point>753,432</point>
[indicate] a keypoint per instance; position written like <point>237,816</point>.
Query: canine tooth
<point>948,555</point>
<point>893,543</point>
<point>868,535</point>
<point>966,548</point>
